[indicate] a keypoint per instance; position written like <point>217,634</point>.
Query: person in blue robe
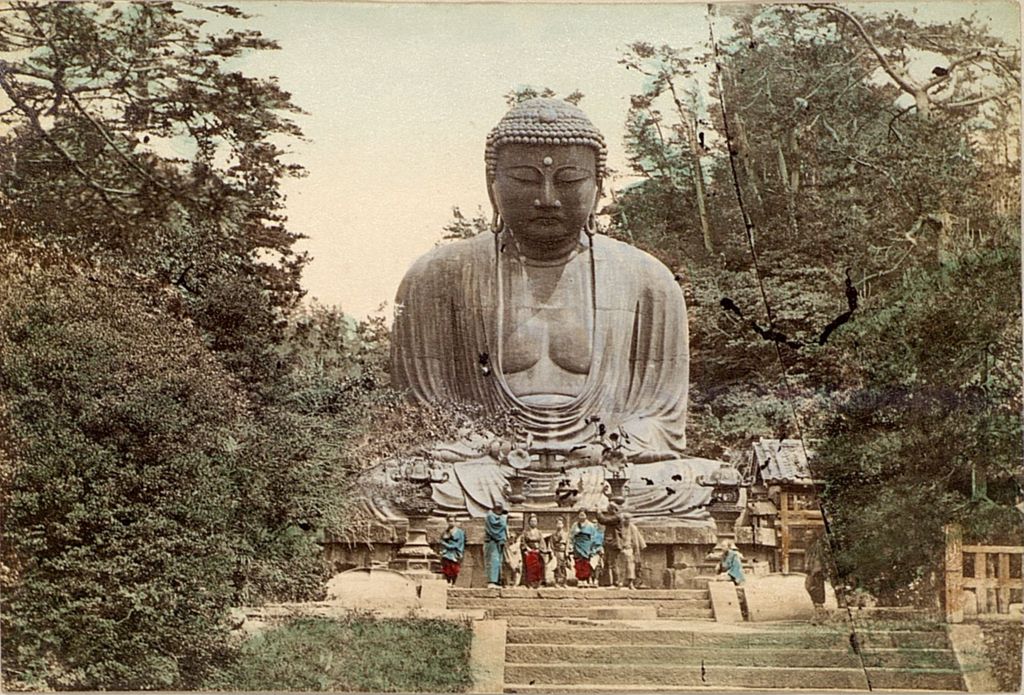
<point>453,548</point>
<point>582,537</point>
<point>732,563</point>
<point>495,537</point>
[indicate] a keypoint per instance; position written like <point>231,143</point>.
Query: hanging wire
<point>749,228</point>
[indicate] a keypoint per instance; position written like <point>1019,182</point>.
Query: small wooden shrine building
<point>784,495</point>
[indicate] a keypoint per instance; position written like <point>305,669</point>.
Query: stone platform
<point>676,552</point>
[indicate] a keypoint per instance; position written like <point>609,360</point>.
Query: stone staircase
<point>603,603</point>
<point>594,640</point>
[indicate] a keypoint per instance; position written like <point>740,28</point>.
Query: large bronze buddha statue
<point>566,328</point>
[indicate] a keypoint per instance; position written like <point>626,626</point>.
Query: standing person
<point>611,519</point>
<point>631,546</point>
<point>513,557</point>
<point>533,558</point>
<point>581,535</point>
<point>558,550</point>
<point>732,563</point>
<point>495,537</point>
<point>453,548</point>
<point>816,567</point>
<point>597,559</point>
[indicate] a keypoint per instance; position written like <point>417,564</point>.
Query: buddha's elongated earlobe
<point>497,223</point>
<point>591,226</point>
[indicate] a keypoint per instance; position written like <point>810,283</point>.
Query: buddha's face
<point>545,192</point>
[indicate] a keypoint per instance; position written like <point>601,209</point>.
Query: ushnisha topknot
<point>545,122</point>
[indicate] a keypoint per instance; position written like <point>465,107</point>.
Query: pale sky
<point>401,96</point>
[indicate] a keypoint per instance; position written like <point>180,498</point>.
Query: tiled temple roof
<point>781,461</point>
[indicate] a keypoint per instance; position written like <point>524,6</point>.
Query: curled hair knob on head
<point>545,122</point>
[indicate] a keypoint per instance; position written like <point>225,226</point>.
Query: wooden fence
<point>991,572</point>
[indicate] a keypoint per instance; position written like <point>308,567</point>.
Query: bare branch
<point>901,79</point>
<point>969,102</point>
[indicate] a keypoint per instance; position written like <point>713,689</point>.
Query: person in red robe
<point>533,558</point>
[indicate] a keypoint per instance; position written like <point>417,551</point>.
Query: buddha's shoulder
<point>452,256</point>
<point>644,266</point>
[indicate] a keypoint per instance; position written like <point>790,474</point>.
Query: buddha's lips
<point>547,220</point>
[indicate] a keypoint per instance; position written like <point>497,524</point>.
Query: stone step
<point>574,602</point>
<point>673,676</point>
<point>549,610</point>
<point>764,656</point>
<point>589,594</point>
<point>916,679</point>
<point>681,634</point>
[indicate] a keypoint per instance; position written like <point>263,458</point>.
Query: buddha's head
<point>545,161</point>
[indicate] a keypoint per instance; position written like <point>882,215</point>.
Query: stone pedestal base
<point>416,567</point>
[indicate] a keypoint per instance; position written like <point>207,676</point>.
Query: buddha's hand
<point>586,454</point>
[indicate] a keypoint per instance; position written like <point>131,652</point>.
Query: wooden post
<point>954,574</point>
<point>1003,586</point>
<point>981,573</point>
<point>784,523</point>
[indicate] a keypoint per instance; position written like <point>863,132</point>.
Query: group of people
<point>610,544</point>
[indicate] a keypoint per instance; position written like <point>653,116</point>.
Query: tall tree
<point>861,214</point>
<point>127,137</point>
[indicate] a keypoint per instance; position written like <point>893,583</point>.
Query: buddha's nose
<point>547,196</point>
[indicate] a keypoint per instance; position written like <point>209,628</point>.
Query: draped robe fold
<point>446,324</point>
<point>445,348</point>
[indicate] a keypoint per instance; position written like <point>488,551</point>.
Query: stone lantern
<point>725,508</point>
<point>416,477</point>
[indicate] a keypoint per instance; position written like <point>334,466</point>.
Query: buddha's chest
<point>547,320</point>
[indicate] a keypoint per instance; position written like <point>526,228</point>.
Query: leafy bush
<point>116,459</point>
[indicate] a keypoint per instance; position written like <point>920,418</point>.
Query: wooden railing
<point>991,572</point>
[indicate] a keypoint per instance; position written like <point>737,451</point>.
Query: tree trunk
<point>698,187</point>
<point>924,104</point>
<point>783,169</point>
<point>794,171</point>
<point>744,156</point>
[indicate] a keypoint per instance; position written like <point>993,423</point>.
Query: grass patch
<point>354,654</point>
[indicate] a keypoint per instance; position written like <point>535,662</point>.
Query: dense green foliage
<point>354,654</point>
<point>172,421</point>
<point>850,171</point>
<point>118,541</point>
<point>933,406</point>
